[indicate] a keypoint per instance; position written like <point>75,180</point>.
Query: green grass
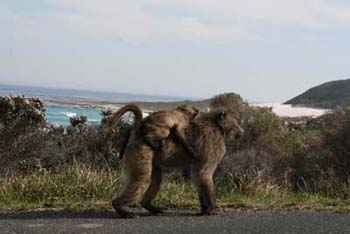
<point>81,188</point>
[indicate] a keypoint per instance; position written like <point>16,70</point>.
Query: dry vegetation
<point>277,161</point>
<point>300,155</point>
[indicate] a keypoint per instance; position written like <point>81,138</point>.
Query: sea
<point>59,114</point>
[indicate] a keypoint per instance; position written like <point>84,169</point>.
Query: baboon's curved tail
<point>129,107</point>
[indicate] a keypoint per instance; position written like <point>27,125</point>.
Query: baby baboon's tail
<point>118,114</point>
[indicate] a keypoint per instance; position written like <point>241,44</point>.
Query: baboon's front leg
<point>152,191</point>
<point>206,192</point>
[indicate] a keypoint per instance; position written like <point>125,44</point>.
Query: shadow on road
<point>67,214</point>
<point>61,214</point>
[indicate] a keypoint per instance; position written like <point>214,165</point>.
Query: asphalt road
<point>175,221</point>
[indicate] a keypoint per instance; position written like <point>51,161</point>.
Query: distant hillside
<point>328,95</point>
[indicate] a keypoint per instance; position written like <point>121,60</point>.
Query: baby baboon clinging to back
<point>139,153</point>
<point>156,127</point>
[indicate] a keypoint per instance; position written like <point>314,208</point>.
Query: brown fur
<point>142,176</point>
<point>117,116</point>
<point>157,126</point>
<point>144,172</point>
<point>129,107</point>
<point>206,134</point>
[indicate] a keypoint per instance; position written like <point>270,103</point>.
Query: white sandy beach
<point>290,111</point>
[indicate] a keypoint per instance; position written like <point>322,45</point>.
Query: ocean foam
<point>70,114</point>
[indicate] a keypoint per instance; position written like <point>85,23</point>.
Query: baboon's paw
<point>125,215</point>
<point>153,209</point>
<point>121,213</point>
<point>207,213</point>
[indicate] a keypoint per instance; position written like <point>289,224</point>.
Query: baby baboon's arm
<point>179,137</point>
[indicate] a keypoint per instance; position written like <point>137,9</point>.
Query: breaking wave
<point>69,114</point>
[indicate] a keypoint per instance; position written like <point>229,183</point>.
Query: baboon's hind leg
<point>152,191</point>
<point>118,205</point>
<point>129,195</point>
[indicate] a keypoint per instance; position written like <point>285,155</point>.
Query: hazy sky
<point>266,50</point>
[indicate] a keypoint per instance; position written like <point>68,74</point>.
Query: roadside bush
<point>18,114</point>
<point>29,144</point>
<point>324,163</point>
<point>229,100</point>
<point>77,120</point>
<point>260,159</point>
<point>338,140</point>
<point>299,154</point>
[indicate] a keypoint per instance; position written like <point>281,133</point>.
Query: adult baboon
<point>144,172</point>
<point>138,161</point>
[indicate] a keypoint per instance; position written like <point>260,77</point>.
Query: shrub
<point>106,115</point>
<point>314,158</point>
<point>260,158</point>
<point>28,144</point>
<point>77,120</point>
<point>18,114</point>
<point>230,100</point>
<point>325,162</point>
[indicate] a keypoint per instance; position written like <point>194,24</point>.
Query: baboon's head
<point>227,122</point>
<point>188,110</point>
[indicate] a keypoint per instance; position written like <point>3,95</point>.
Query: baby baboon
<point>206,134</point>
<point>138,161</point>
<point>156,127</point>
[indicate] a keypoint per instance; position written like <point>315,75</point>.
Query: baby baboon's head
<point>226,120</point>
<point>188,110</point>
